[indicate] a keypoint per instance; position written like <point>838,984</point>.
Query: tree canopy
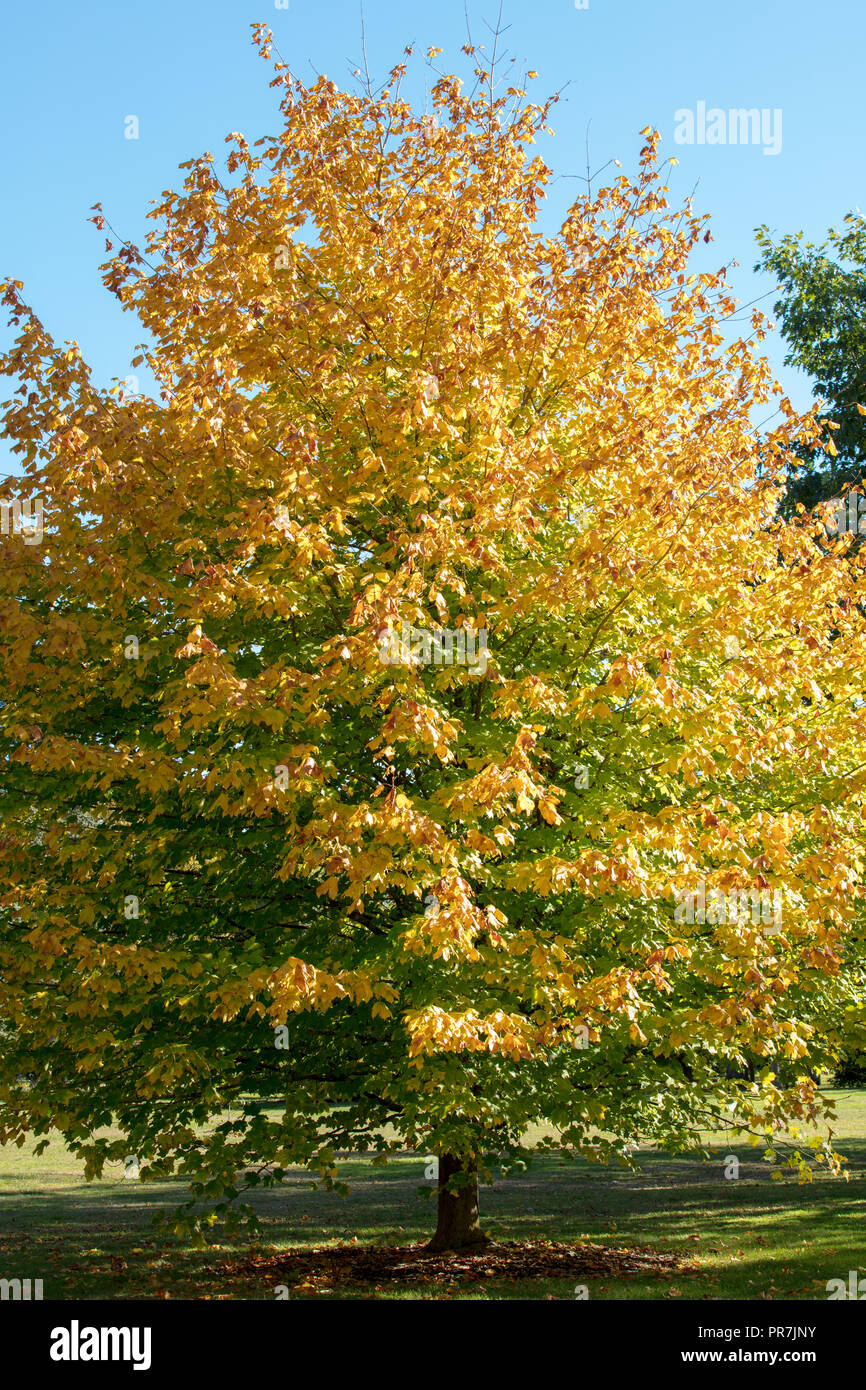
<point>418,697</point>
<point>822,311</point>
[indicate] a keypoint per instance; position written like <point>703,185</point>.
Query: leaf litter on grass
<point>322,1269</point>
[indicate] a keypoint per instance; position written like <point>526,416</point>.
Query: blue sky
<point>187,70</point>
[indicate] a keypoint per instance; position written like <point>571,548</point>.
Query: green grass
<point>750,1239</point>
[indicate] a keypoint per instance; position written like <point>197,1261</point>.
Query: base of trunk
<point>458,1226</point>
<point>439,1244</point>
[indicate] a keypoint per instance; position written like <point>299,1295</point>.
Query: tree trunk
<point>457,1226</point>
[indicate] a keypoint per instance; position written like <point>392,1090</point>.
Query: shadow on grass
<point>750,1237</point>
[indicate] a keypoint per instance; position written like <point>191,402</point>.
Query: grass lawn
<point>751,1238</point>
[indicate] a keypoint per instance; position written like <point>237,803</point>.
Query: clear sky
<point>74,72</point>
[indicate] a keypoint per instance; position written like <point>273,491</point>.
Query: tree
<point>823,317</point>
<point>417,701</point>
<point>851,1069</point>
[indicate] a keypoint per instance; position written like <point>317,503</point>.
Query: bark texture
<point>458,1225</point>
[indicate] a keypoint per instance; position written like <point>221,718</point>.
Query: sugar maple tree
<point>384,396</point>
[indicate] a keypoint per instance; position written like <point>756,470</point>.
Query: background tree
<point>385,398</point>
<point>822,313</point>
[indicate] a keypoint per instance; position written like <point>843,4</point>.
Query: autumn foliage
<point>382,396</point>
